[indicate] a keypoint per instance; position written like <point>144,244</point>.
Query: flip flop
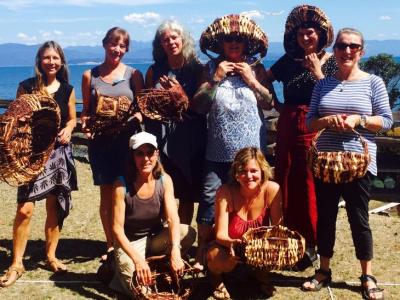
<point>221,293</point>
<point>56,266</point>
<point>5,279</point>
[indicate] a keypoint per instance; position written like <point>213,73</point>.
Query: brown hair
<point>114,34</point>
<point>350,31</point>
<point>62,74</point>
<point>243,157</point>
<point>131,171</point>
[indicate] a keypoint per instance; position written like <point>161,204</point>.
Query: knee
<point>188,236</point>
<point>25,211</point>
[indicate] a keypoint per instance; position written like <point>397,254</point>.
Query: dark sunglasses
<point>233,38</point>
<point>148,153</point>
<point>343,46</point>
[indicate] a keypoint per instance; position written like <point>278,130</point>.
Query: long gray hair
<point>188,48</point>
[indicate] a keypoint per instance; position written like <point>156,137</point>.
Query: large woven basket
<point>165,284</point>
<point>272,247</point>
<point>338,166</point>
<point>28,132</point>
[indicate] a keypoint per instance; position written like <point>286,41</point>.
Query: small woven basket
<point>165,284</point>
<point>28,132</point>
<point>272,247</point>
<point>163,105</point>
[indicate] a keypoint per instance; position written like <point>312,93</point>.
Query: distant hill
<point>12,54</point>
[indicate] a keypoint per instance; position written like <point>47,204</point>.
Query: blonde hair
<point>241,160</point>
<point>62,74</point>
<point>188,46</point>
<point>349,30</point>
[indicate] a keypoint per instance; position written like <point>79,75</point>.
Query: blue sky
<point>84,22</point>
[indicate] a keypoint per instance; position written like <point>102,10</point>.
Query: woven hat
<point>306,16</point>
<point>255,38</point>
<point>28,132</point>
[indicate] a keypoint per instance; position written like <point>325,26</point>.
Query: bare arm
<point>171,215</point>
<point>138,84</point>
<point>85,114</point>
<point>118,220</point>
<point>275,103</point>
<point>149,78</point>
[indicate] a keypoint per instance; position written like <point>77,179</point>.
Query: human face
<point>233,47</point>
<point>250,175</point>
<point>115,50</point>
<point>348,50</point>
<point>308,39</point>
<point>145,158</point>
<point>171,42</point>
<point>50,62</point>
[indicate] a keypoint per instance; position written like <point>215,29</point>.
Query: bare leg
<point>366,269</point>
<point>324,265</point>
<point>21,230</point>
<point>205,235</point>
<point>106,191</point>
<point>185,212</point>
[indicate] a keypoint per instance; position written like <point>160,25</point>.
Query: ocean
<point>11,76</point>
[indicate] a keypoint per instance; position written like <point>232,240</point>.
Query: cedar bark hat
<point>306,16</point>
<point>255,38</point>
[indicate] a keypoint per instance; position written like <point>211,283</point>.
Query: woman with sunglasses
<point>233,95</point>
<point>182,144</point>
<point>143,201</point>
<point>308,32</point>
<point>352,99</point>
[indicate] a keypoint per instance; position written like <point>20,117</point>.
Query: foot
<point>320,279</point>
<point>370,289</point>
<point>56,266</point>
<point>221,293</point>
<point>12,275</point>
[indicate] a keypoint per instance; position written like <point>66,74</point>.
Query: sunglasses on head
<point>233,38</point>
<point>343,46</point>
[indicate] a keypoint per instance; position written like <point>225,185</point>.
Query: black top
<point>298,82</point>
<point>61,96</point>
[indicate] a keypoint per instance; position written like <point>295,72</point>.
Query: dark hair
<point>242,158</point>
<point>62,74</point>
<point>114,34</point>
<point>350,31</point>
<point>131,171</point>
<point>322,38</point>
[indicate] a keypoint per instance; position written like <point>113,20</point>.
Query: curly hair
<point>62,74</point>
<point>242,157</point>
<point>188,45</point>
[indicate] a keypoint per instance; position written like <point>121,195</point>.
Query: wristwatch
<point>363,121</point>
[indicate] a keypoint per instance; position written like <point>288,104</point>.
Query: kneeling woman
<point>142,201</point>
<point>250,200</point>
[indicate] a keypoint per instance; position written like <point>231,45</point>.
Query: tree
<point>388,69</point>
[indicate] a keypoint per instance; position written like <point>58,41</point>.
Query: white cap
<point>141,138</point>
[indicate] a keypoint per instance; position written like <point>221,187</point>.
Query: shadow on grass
<point>70,251</point>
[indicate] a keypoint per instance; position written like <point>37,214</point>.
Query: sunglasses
<point>343,46</point>
<point>149,153</point>
<point>233,38</point>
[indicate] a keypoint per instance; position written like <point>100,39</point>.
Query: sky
<point>85,22</point>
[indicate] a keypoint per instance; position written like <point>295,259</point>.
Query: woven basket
<point>163,105</point>
<point>165,284</point>
<point>28,132</point>
<point>272,247</point>
<point>338,166</point>
<point>112,115</point>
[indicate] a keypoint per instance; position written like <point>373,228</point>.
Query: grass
<point>82,244</point>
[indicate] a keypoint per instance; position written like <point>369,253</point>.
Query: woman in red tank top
<point>250,200</point>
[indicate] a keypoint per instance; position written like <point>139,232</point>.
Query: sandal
<point>365,291</point>
<point>56,266</point>
<point>221,293</point>
<point>5,279</point>
<point>318,284</point>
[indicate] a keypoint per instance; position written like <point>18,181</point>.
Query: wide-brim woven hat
<point>306,16</point>
<point>255,38</point>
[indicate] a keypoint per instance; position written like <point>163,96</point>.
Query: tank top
<point>121,87</point>
<point>143,217</point>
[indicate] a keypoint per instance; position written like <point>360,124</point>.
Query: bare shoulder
<point>272,188</point>
<point>166,179</point>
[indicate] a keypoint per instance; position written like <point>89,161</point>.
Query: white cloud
<point>274,13</point>
<point>253,14</point>
<point>385,18</point>
<point>26,38</point>
<point>145,19</point>
<point>57,32</point>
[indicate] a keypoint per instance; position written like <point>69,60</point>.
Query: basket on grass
<point>272,247</point>
<point>338,166</point>
<point>112,115</point>
<point>28,132</point>
<point>163,104</point>
<point>166,285</point>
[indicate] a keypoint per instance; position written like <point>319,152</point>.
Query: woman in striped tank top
<point>353,99</point>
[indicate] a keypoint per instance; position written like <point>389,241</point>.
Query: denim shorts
<point>215,174</point>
